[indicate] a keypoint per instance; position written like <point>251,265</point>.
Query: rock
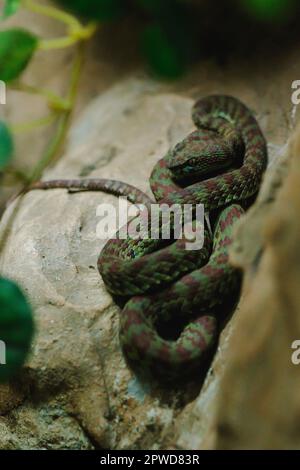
<point>201,425</point>
<point>259,400</point>
<point>11,396</point>
<point>77,366</point>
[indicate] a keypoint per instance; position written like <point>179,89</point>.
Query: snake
<point>172,296</point>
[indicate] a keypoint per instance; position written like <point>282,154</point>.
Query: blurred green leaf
<point>16,49</point>
<point>16,328</point>
<point>6,145</point>
<point>165,59</point>
<point>103,10</point>
<point>10,7</point>
<point>268,10</point>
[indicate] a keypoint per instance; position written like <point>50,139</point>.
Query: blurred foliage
<point>168,38</point>
<point>270,10</point>
<point>16,327</point>
<point>170,28</point>
<point>161,53</point>
<point>10,7</point>
<point>16,49</point>
<point>6,145</point>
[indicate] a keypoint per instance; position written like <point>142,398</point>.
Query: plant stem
<point>77,31</point>
<point>58,43</point>
<point>52,12</point>
<point>81,33</point>
<point>63,120</point>
<point>54,101</point>
<point>78,34</point>
<point>34,124</point>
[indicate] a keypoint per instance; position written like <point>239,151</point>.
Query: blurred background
<point>172,34</point>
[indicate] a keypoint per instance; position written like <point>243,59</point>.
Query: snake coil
<point>168,285</point>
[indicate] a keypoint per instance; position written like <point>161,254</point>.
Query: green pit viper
<point>167,284</point>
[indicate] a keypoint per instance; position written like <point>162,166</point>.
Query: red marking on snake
<point>143,340</point>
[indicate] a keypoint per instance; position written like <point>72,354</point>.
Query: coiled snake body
<point>167,283</point>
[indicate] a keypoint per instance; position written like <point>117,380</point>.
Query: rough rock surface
<point>52,252</point>
<point>76,390</point>
<point>201,425</point>
<point>259,405</point>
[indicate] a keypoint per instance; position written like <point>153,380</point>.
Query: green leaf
<point>16,329</point>
<point>10,7</point>
<point>6,145</point>
<point>163,56</point>
<point>270,10</point>
<point>16,49</point>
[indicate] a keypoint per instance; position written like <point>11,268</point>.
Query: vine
<point>17,47</point>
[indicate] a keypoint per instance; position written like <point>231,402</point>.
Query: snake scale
<point>165,284</point>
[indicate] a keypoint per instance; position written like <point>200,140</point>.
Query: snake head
<point>200,153</point>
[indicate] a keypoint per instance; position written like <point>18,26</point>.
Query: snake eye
<point>192,163</point>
